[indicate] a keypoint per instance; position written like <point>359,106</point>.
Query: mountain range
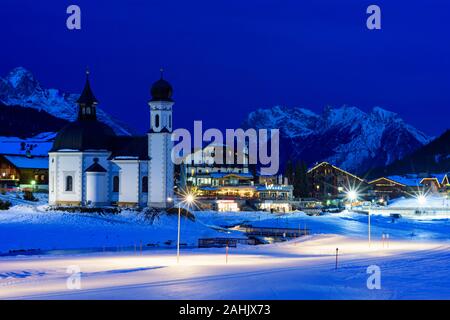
<point>344,136</point>
<point>431,158</point>
<point>21,88</point>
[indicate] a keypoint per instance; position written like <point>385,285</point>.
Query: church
<point>89,165</point>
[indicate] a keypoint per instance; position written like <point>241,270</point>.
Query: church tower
<point>160,168</point>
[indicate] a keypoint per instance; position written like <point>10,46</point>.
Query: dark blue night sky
<point>227,58</point>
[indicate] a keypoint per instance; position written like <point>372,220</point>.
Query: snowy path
<point>294,270</point>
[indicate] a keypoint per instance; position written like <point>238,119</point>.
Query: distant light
<point>352,195</point>
<point>33,182</point>
<point>169,199</point>
<point>422,199</point>
<point>189,198</point>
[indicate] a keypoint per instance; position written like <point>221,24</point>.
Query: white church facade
<point>90,166</point>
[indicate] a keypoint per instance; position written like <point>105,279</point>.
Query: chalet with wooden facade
<point>391,187</point>
<point>24,162</point>
<point>327,181</point>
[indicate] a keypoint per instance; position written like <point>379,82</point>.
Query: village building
<point>230,187</point>
<point>24,163</point>
<point>394,186</point>
<point>327,181</point>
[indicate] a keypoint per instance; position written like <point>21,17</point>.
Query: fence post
<point>337,251</point>
<point>226,253</point>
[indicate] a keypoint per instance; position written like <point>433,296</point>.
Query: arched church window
<point>88,110</point>
<point>69,183</point>
<point>145,184</point>
<point>157,121</point>
<point>116,184</point>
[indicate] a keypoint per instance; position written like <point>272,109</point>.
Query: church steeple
<point>87,102</point>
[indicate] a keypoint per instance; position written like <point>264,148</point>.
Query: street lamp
<point>189,199</point>
<point>352,195</point>
<point>422,199</point>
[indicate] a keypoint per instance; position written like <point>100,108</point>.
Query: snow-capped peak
<point>345,136</point>
<point>384,114</point>
<point>21,88</point>
<point>18,75</point>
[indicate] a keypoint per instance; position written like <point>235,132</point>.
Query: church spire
<point>87,102</point>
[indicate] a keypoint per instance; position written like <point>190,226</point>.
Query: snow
<point>21,88</point>
<point>349,137</point>
<point>407,180</point>
<point>432,201</point>
<point>293,270</point>
<point>39,145</point>
<point>25,162</point>
<point>414,264</point>
<point>23,228</point>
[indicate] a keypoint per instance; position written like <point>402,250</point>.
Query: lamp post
<point>189,199</point>
<point>178,239</point>
<point>422,200</point>
<point>352,195</point>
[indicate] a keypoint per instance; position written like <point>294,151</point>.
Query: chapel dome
<point>161,90</point>
<point>83,135</point>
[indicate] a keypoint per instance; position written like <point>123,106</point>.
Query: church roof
<point>87,96</point>
<point>95,167</point>
<point>130,146</point>
<point>161,90</point>
<point>83,135</point>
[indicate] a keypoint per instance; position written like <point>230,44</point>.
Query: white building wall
<point>66,164</point>
<point>160,169</point>
<point>129,180</point>
<point>88,160</point>
<point>52,169</point>
<point>160,165</point>
<point>96,188</point>
<point>143,196</point>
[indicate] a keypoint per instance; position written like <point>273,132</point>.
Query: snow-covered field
<point>414,265</point>
<point>289,270</point>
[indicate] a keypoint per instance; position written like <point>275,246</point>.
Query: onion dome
<point>161,90</point>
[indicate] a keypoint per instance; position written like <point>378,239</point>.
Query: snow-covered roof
<point>24,162</point>
<point>334,167</point>
<point>410,181</point>
<point>226,174</point>
<point>36,146</point>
